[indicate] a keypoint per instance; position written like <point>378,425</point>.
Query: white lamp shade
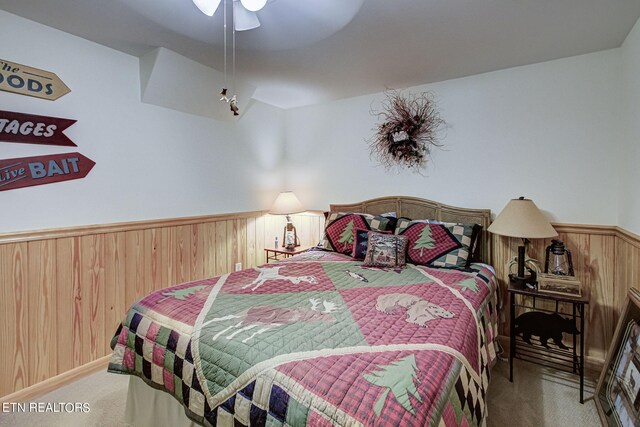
<point>286,204</point>
<point>522,218</point>
<point>208,7</point>
<point>253,5</point>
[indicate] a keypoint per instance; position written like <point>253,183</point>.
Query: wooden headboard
<point>416,208</point>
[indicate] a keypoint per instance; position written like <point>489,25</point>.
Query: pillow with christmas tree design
<point>339,229</point>
<point>439,244</point>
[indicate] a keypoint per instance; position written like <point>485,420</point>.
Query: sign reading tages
<point>24,80</point>
<point>32,129</point>
<point>30,171</point>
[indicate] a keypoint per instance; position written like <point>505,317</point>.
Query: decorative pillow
<point>391,225</point>
<point>338,230</point>
<point>386,250</point>
<point>476,238</point>
<point>393,222</point>
<point>361,242</point>
<point>439,244</point>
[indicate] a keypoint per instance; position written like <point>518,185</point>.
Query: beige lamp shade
<point>522,218</point>
<point>286,204</point>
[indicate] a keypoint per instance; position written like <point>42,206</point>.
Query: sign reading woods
<point>29,171</point>
<point>18,78</point>
<point>32,129</point>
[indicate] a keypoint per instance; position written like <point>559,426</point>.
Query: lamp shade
<point>522,218</point>
<point>286,204</point>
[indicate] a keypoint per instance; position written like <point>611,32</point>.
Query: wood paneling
<point>607,262</point>
<point>63,292</point>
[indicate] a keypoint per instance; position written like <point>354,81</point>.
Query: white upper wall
<point>629,217</point>
<point>151,162</point>
<point>563,132</point>
<point>550,131</point>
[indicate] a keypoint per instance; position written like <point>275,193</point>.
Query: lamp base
<point>290,236</point>
<point>528,281</point>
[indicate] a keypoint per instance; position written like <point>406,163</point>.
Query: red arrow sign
<point>32,129</point>
<point>29,171</point>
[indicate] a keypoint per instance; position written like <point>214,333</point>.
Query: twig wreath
<point>408,131</point>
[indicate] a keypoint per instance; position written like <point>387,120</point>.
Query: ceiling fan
<point>244,12</point>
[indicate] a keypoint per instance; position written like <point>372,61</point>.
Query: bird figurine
<point>386,270</point>
<point>357,276</point>
<point>233,105</point>
<point>223,95</point>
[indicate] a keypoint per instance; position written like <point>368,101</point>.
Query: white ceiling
<point>312,51</point>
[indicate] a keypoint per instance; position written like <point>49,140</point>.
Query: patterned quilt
<point>319,340</point>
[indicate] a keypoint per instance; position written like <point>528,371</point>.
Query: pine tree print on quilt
<point>180,294</point>
<point>398,378</point>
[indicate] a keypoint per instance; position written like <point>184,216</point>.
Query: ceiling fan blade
<point>243,19</point>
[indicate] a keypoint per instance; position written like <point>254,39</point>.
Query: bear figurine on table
<point>546,326</point>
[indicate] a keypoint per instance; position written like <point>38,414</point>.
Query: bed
<point>321,338</point>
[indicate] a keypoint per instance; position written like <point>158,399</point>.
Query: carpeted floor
<point>538,397</point>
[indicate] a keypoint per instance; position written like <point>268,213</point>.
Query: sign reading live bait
<point>29,171</point>
<point>32,129</point>
<point>18,78</point>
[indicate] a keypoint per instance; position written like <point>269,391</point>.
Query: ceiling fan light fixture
<point>208,7</point>
<point>253,5</point>
<point>244,20</point>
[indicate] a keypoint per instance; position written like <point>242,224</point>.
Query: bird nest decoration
<point>408,132</point>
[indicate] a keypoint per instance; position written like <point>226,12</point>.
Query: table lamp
<point>288,204</point>
<point>522,218</point>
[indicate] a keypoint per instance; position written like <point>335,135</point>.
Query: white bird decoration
<point>357,276</point>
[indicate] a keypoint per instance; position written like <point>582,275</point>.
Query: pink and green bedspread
<point>319,340</point>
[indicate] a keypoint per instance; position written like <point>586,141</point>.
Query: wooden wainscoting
<point>64,291</point>
<point>606,260</point>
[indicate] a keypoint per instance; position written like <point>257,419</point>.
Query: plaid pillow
<point>439,244</point>
<point>386,250</point>
<point>340,226</point>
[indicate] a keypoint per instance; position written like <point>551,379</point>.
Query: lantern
<point>558,259</point>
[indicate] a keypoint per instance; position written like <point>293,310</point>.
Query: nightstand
<point>549,319</point>
<point>282,253</point>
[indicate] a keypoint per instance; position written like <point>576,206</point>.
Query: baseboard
<point>53,383</point>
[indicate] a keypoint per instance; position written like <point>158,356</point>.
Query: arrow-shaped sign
<point>32,129</point>
<point>24,80</point>
<point>30,171</point>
